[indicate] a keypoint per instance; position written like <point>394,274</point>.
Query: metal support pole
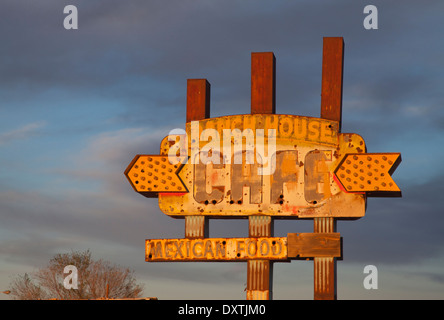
<point>331,108</point>
<point>198,108</point>
<point>263,101</point>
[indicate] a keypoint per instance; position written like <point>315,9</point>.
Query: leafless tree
<point>95,279</point>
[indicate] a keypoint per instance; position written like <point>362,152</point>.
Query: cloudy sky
<point>77,105</point>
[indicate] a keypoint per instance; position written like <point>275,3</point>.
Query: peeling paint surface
<point>302,183</point>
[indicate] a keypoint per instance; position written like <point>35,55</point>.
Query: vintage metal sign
<point>263,166</point>
<point>278,165</point>
<point>295,245</point>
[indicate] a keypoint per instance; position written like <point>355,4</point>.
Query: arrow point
<point>150,175</point>
<point>370,173</point>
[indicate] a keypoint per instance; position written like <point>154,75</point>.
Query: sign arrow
<point>150,175</point>
<point>369,172</point>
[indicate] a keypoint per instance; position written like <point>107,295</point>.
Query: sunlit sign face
<point>216,249</point>
<point>276,165</point>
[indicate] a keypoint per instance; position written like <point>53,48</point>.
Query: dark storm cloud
<point>139,54</point>
<point>398,231</point>
<point>128,50</point>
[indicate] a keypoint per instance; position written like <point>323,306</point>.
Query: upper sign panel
<point>279,165</point>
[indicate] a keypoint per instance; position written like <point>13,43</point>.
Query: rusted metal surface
<point>263,83</point>
<point>309,245</point>
<point>259,280</point>
<point>301,183</point>
<point>264,248</point>
<point>260,272</point>
<point>331,108</point>
<point>198,108</point>
<point>260,226</point>
<point>332,74</point>
<point>325,285</point>
<point>324,225</point>
<point>263,101</point>
<point>196,227</point>
<point>216,249</point>
<point>198,99</point>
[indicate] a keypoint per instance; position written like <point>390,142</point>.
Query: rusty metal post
<point>325,267</point>
<point>196,227</point>
<point>263,83</point>
<point>263,101</point>
<point>260,272</point>
<point>332,76</point>
<point>331,108</point>
<point>198,99</point>
<point>198,108</point>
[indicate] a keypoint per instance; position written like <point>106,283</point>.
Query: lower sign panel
<point>216,249</point>
<point>294,246</point>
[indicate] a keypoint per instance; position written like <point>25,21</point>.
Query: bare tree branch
<point>94,277</point>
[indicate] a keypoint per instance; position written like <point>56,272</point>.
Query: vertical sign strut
<point>198,108</point>
<point>263,100</point>
<point>331,108</point>
<point>325,267</point>
<point>332,70</point>
<point>198,99</point>
<point>263,83</point>
<point>260,272</point>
